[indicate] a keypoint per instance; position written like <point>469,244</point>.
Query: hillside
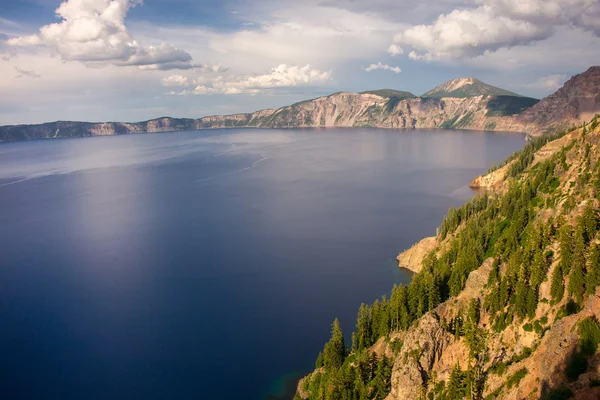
<point>457,104</point>
<point>389,93</point>
<point>466,87</point>
<point>573,104</point>
<point>506,303</point>
<point>337,110</point>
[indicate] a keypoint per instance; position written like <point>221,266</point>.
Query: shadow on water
<point>285,387</point>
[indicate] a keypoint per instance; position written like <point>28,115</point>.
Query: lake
<point>209,264</point>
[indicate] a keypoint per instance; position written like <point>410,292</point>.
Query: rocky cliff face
<point>573,104</point>
<point>337,110</point>
<point>464,103</point>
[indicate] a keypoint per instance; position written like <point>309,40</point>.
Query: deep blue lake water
<point>210,264</point>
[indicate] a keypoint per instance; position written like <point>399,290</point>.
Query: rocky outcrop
<point>491,180</point>
<point>424,345</point>
<point>412,258</point>
<point>576,102</point>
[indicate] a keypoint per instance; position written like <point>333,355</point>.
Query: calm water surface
<point>208,264</point>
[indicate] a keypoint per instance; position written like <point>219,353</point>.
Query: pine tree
<point>384,318</point>
<point>363,328</point>
<point>382,383</point>
<point>589,221</point>
<point>538,269</point>
<point>577,275</point>
<point>335,350</point>
<point>455,388</point>
<point>532,302</point>
<point>557,287</point>
<point>521,299</point>
<point>592,277</point>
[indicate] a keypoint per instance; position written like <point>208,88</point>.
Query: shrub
<point>589,335</point>
<point>515,378</point>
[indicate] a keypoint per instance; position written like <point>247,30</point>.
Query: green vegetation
<point>501,106</point>
<point>589,335</point>
<point>507,229</point>
<point>390,93</point>
<point>515,378</point>
<point>464,121</point>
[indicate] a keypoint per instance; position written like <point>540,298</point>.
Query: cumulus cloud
<point>395,50</point>
<point>94,32</point>
<point>550,82</point>
<point>175,80</point>
<point>497,24</point>
<point>23,73</point>
<point>384,67</point>
<point>282,76</point>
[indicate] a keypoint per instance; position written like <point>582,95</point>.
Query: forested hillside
<point>506,306</point>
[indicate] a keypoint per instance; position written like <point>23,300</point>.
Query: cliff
<point>505,303</point>
<point>369,109</point>
<point>462,103</point>
<point>571,105</point>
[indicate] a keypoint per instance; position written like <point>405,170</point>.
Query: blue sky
<point>128,60</point>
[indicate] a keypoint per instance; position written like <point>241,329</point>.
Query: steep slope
<point>507,301</point>
<point>576,102</point>
<point>466,87</point>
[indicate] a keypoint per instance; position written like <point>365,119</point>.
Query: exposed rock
<point>491,180</point>
<point>424,344</point>
<point>412,258</point>
<point>465,87</point>
<point>576,102</point>
<point>476,281</point>
<point>382,347</point>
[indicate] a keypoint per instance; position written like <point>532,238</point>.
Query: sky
<point>134,60</point>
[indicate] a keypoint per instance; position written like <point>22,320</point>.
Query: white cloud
<point>497,24</point>
<point>175,80</point>
<point>319,35</point>
<point>94,32</point>
<point>282,76</point>
<point>395,50</point>
<point>550,82</point>
<point>384,67</point>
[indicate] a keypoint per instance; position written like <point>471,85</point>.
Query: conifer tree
<point>538,269</point>
<point>334,351</point>
<point>455,388</point>
<point>577,275</point>
<point>592,277</point>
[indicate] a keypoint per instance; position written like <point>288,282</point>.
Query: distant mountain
<point>390,93</point>
<point>464,103</point>
<point>573,104</point>
<point>466,87</point>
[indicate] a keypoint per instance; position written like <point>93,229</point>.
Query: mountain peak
<point>466,87</point>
